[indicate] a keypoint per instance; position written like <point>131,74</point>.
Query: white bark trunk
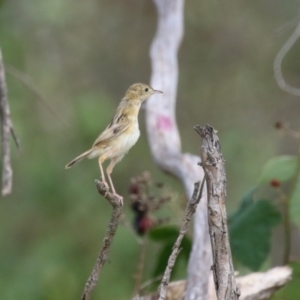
<point>164,137</point>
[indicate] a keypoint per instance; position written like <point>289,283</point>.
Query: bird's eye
<point>146,89</point>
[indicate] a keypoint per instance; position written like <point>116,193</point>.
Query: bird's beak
<point>157,92</point>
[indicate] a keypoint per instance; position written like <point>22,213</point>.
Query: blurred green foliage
<point>282,168</point>
<point>167,235</point>
<point>250,231</point>
<point>82,55</point>
<point>291,290</point>
<point>285,168</point>
<point>295,199</point>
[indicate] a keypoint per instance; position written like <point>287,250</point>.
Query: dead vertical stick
<point>6,131</point>
<point>213,165</point>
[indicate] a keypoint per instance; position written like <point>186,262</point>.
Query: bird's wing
<point>117,119</point>
<point>111,132</point>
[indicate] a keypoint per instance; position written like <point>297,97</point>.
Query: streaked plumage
<point>122,132</point>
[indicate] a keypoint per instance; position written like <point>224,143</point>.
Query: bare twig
<point>189,212</point>
<point>116,204</point>
<point>213,165</point>
<point>6,130</point>
<point>278,62</point>
<point>164,138</point>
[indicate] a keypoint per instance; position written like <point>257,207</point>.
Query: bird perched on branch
<point>122,132</point>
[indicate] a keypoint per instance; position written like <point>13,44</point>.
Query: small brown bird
<point>122,132</point>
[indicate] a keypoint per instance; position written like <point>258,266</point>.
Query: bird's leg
<point>109,171</point>
<point>101,170</point>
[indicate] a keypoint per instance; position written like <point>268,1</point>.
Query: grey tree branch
<point>278,63</point>
<point>164,139</point>
<point>213,164</point>
<point>189,212</point>
<point>6,130</point>
<point>107,241</point>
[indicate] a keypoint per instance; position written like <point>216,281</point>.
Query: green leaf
<point>282,168</point>
<point>295,203</point>
<point>162,259</point>
<point>291,290</point>
<point>246,202</point>
<point>164,233</point>
<point>165,253</point>
<point>186,248</point>
<point>250,231</point>
<point>167,235</point>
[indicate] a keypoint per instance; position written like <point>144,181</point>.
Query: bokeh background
<point>82,56</point>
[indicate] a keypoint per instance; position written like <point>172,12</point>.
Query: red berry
<point>144,224</point>
<point>275,183</point>
<point>134,189</point>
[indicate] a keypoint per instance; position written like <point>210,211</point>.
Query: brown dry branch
<point>6,130</point>
<point>189,212</point>
<point>213,165</point>
<point>117,206</point>
<point>164,138</point>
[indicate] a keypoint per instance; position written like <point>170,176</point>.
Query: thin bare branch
<point>278,63</point>
<point>189,212</point>
<point>213,165</point>
<point>116,204</point>
<point>6,130</point>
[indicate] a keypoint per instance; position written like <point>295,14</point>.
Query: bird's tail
<point>79,158</point>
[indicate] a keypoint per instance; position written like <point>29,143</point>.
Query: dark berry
<point>134,189</point>
<point>275,183</point>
